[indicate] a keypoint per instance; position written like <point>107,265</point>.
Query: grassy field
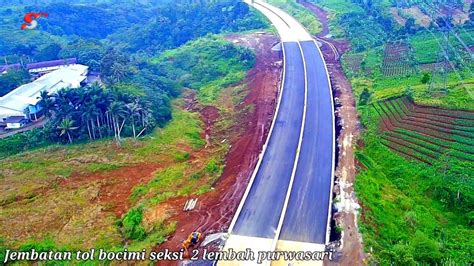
<point>68,196</point>
<point>337,8</point>
<point>426,44</point>
<point>369,76</point>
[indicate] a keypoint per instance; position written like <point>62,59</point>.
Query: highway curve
<point>287,202</point>
<point>261,211</point>
<point>306,218</point>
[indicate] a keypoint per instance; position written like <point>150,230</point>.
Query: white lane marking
<point>295,165</point>
<point>328,227</point>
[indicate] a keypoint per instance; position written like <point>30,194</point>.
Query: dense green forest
<point>145,30</point>
<point>137,91</point>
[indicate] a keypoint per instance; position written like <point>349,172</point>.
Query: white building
<point>44,67</point>
<point>15,122</point>
<point>23,101</point>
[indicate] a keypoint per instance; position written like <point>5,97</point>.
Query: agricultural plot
<point>354,62</point>
<point>426,133</point>
<point>396,59</point>
<point>429,66</point>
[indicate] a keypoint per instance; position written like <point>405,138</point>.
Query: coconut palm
<point>119,72</point>
<point>117,111</point>
<point>67,127</point>
<point>134,109</point>
<point>88,114</point>
<point>47,103</point>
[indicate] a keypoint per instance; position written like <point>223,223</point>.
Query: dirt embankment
<point>351,252</point>
<point>214,210</point>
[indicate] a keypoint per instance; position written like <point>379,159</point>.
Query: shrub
<point>212,167</point>
<point>131,224</point>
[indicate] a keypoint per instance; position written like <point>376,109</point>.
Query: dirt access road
<point>352,250</point>
<point>214,210</point>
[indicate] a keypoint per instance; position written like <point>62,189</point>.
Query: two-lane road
<point>306,219</point>
<point>288,201</point>
<point>260,214</point>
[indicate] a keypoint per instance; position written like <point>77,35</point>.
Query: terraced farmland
<point>426,133</point>
<point>396,60</point>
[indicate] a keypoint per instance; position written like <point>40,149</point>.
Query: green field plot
<point>430,132</point>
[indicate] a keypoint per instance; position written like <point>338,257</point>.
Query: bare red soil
<point>215,209</point>
<point>115,185</point>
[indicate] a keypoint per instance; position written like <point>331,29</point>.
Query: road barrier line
<point>262,153</point>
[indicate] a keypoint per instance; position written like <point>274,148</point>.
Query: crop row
<point>443,121</point>
<point>436,148</point>
<point>407,152</point>
<point>463,123</point>
<point>439,112</point>
<point>407,134</point>
<point>396,70</point>
<point>421,149</point>
<point>462,146</point>
<point>397,119</point>
<point>443,127</point>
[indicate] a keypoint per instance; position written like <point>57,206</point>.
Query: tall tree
<point>47,103</point>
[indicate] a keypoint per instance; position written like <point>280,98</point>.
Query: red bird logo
<point>30,19</point>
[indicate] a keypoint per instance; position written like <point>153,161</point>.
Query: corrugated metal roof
<point>28,94</point>
<point>53,63</point>
<point>15,119</point>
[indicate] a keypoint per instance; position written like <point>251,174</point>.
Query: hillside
<point>414,155</point>
<point>112,157</point>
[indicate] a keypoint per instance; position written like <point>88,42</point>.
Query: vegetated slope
<point>415,183</point>
<point>417,201</point>
<point>425,133</point>
<point>73,196</point>
<point>300,13</point>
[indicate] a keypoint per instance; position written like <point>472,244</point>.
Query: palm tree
<point>119,72</point>
<point>63,103</point>
<point>117,110</point>
<point>47,103</point>
<point>88,114</point>
<point>66,127</point>
<point>134,108</point>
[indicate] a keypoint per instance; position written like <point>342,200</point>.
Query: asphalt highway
<point>306,217</point>
<point>261,211</point>
<point>287,203</point>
